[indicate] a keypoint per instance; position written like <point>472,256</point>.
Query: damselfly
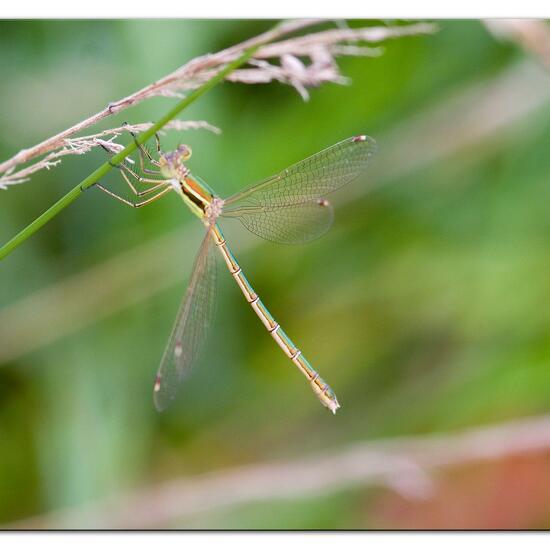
<point>289,207</point>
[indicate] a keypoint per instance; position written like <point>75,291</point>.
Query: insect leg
<point>136,204</point>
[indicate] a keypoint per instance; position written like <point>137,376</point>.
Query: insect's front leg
<point>144,153</point>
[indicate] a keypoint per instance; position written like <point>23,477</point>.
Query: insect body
<point>289,207</point>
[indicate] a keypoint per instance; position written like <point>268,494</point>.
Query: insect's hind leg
<point>159,183</point>
<point>125,170</point>
<point>166,189</point>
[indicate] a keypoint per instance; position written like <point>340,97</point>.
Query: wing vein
<point>290,207</point>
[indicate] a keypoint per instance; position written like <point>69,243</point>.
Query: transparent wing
<point>190,328</point>
<point>295,224</point>
<point>309,179</point>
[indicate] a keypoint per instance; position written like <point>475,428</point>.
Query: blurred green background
<point>425,306</point>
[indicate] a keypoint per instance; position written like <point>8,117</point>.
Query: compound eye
<point>184,152</point>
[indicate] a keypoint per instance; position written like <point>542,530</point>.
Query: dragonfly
<point>289,207</point>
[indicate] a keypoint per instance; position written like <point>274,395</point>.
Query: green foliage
<point>424,306</point>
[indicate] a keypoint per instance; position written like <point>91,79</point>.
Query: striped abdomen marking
<point>320,387</point>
